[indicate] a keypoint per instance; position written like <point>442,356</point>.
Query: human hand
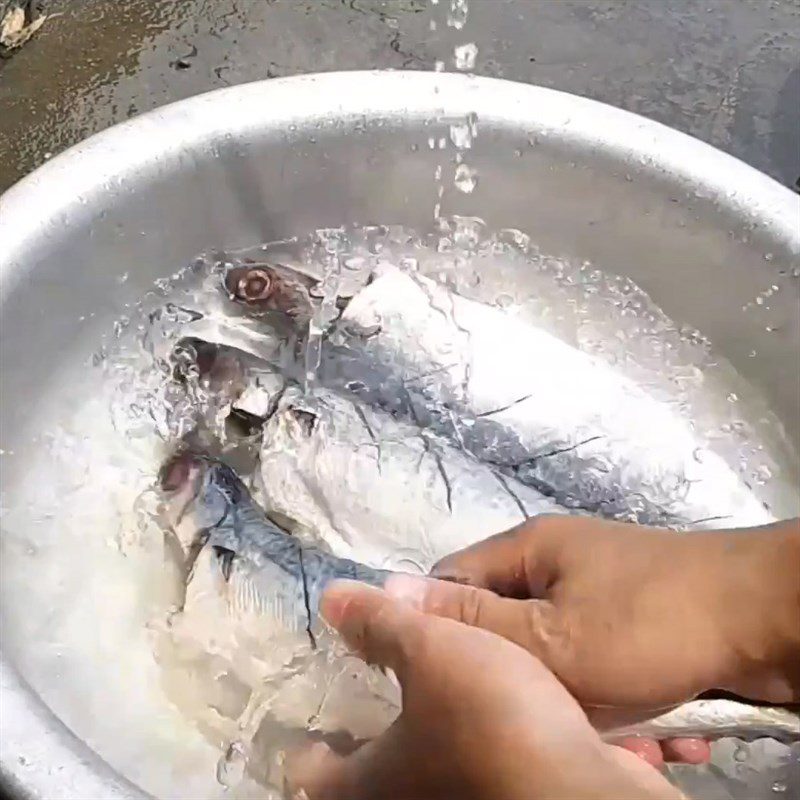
<point>482,719</point>
<point>633,617</point>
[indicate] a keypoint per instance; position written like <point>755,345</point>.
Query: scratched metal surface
<point>726,72</point>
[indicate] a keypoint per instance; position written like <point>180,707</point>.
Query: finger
<point>522,562</point>
<point>532,624</point>
<point>316,771</point>
<point>364,775</point>
<point>647,749</point>
<point>642,779</point>
<point>373,624</point>
<point>686,751</point>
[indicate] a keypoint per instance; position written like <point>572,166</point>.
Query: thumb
<point>373,624</point>
<point>315,772</point>
<point>533,624</point>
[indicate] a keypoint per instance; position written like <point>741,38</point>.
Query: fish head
<point>219,368</point>
<point>200,493</point>
<point>267,287</point>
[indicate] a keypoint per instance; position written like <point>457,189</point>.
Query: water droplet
<point>732,397</point>
<point>699,455</point>
<point>457,18</point>
<point>231,766</point>
<point>465,56</point>
<point>779,787</point>
<point>466,178</point>
<point>504,300</point>
<point>768,256</point>
<point>763,474</point>
<point>472,279</point>
<point>461,135</point>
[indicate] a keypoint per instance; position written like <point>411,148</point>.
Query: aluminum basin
<point>701,232</point>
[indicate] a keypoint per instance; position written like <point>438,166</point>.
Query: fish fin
<point>225,560</point>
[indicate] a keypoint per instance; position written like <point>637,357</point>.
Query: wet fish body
<point>556,418</point>
<point>260,572</point>
<point>517,397</point>
<point>380,490</point>
<point>265,569</point>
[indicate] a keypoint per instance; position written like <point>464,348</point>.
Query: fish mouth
<point>180,481</point>
<point>180,472</point>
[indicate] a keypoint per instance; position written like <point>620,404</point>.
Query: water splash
<point>457,15</point>
<point>465,56</point>
<point>466,178</point>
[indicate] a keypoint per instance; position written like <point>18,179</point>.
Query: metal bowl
<point>701,232</point>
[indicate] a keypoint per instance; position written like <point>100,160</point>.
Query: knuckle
<point>470,606</point>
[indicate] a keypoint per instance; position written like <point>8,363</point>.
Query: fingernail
<point>408,589</point>
<point>442,571</point>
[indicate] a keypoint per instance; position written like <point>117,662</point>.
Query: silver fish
<point>264,568</point>
<point>381,490</point>
<point>249,620</point>
<point>252,570</point>
<point>516,396</point>
<point>559,419</point>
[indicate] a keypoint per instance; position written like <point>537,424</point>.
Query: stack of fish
<point>433,421</point>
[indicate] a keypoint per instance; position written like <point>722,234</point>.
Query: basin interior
<point>262,163</point>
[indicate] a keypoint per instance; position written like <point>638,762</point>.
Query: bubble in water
<point>779,787</point>
<point>763,474</point>
<point>504,300</point>
<point>740,753</point>
<point>438,66</point>
<point>465,56</point>
<point>466,178</point>
<point>461,136</point>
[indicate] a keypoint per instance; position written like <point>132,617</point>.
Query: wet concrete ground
<point>726,71</point>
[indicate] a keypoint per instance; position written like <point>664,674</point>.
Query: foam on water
<point>87,576</point>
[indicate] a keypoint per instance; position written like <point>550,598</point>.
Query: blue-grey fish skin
<point>244,533</point>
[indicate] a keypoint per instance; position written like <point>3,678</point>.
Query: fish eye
<point>250,284</point>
